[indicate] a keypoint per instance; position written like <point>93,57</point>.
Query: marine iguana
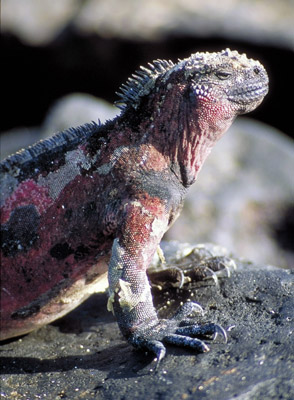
<point>99,198</point>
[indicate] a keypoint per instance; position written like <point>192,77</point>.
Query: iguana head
<point>225,77</point>
<point>184,108</point>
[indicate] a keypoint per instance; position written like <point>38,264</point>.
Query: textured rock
<point>84,356</point>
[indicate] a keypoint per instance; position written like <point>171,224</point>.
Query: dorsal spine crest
<point>141,83</point>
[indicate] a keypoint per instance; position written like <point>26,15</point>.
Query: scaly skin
<point>103,196</point>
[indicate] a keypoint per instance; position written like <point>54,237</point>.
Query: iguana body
<point>100,198</point>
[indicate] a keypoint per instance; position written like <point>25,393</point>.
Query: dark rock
<point>83,355</point>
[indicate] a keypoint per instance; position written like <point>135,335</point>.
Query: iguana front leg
<point>130,294</point>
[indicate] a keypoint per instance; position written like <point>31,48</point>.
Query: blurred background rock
<point>60,56</point>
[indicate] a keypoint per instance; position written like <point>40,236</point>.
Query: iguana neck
<point>185,131</point>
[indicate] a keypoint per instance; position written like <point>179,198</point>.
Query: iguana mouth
<point>251,94</point>
<point>257,91</point>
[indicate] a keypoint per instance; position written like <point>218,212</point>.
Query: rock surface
<point>83,356</point>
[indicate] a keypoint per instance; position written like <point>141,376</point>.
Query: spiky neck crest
<point>141,83</point>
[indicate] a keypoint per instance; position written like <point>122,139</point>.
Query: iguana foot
<point>192,264</point>
<point>178,331</point>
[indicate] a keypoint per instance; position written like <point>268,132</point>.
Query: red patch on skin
<point>153,204</point>
<point>146,157</point>
<point>214,116</point>
<point>28,189</point>
<point>151,159</point>
<point>138,234</point>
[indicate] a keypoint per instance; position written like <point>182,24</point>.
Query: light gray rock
<point>74,110</point>
<point>257,21</point>
<point>35,22</point>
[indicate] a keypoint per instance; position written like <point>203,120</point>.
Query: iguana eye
<point>223,74</point>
